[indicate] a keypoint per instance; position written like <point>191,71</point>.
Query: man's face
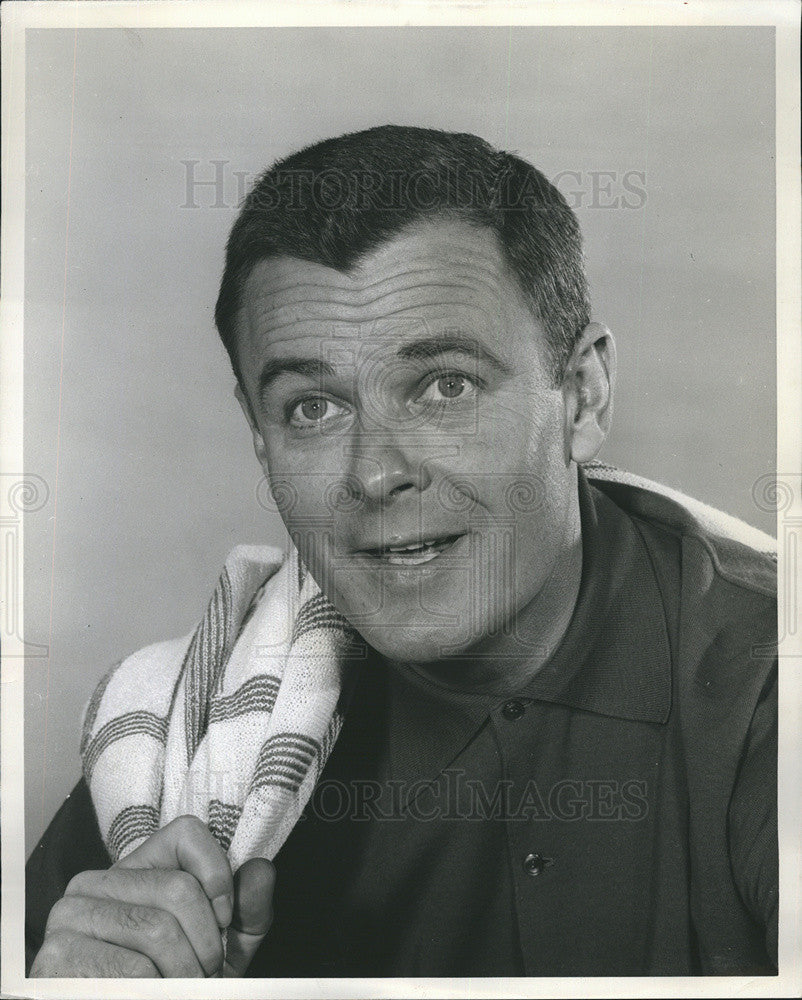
<point>405,417</point>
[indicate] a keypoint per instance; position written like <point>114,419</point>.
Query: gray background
<point>148,462</point>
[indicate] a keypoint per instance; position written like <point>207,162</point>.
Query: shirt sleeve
<point>753,818</point>
<point>71,844</point>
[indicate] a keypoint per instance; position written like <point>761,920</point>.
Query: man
<point>550,692</point>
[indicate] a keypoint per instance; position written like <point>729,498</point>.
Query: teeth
<point>412,555</point>
<point>397,559</point>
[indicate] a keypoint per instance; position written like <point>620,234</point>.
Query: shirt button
<point>534,864</point>
<point>513,709</point>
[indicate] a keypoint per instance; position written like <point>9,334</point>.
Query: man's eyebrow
<point>310,367</point>
<point>419,350</point>
<point>431,347</point>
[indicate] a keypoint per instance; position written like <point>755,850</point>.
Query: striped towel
<point>232,723</point>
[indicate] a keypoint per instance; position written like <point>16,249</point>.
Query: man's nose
<point>381,468</point>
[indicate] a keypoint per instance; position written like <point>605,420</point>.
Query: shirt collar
<point>615,657</point>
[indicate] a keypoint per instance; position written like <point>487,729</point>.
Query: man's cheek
<point>303,496</point>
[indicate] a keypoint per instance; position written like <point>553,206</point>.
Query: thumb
<point>253,914</point>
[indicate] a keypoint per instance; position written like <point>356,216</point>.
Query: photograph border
<point>784,15</point>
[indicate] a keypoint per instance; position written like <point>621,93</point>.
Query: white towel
<point>233,723</point>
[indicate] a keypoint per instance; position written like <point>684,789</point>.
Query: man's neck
<point>503,663</point>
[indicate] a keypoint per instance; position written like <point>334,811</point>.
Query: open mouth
<point>415,553</point>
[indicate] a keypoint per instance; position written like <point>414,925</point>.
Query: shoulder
<point>733,551</point>
<point>718,577</point>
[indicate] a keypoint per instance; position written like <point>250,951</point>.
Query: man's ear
<point>258,440</point>
<point>588,392</point>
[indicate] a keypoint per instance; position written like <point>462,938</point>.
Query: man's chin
<point>414,625</point>
<point>418,643</point>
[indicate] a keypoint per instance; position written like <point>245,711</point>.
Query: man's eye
<point>451,385</point>
<point>314,410</point>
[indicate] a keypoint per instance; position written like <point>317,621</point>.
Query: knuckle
<point>189,825</point>
<point>56,956</point>
<point>101,884</point>
<point>131,965</point>
<point>80,884</point>
<point>141,879</point>
<point>55,949</point>
<point>187,967</point>
<point>166,930</point>
<point>61,916</point>
<point>185,889</point>
<point>141,921</point>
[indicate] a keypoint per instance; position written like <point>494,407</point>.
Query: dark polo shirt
<point>616,816</point>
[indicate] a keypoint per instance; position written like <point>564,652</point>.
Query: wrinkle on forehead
<point>339,321</point>
<point>423,285</point>
<point>276,303</point>
<point>448,274</point>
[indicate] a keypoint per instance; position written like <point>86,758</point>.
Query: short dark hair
<point>337,200</point>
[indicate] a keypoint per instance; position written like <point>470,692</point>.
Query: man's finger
<point>253,914</point>
<point>188,844</point>
<point>75,956</point>
<point>169,889</point>
<point>150,931</point>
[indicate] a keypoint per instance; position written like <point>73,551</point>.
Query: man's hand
<point>160,912</point>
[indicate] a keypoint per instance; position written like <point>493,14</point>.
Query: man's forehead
<point>431,270</point>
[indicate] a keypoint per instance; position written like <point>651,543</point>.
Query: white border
<point>368,13</point>
<point>784,15</point>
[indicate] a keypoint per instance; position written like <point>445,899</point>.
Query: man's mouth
<point>413,553</point>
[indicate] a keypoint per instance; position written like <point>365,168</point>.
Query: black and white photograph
<point>401,499</point>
